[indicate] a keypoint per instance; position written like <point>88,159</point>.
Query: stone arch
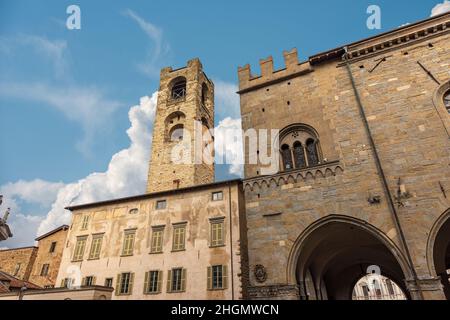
<point>439,105</point>
<point>438,250</point>
<point>375,245</point>
<point>177,88</point>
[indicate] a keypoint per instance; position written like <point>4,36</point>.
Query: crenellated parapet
<point>311,174</point>
<point>248,81</point>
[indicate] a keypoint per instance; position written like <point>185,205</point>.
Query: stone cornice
<point>331,168</point>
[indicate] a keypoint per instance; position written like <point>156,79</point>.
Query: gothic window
<point>311,150</point>
<point>299,147</point>
<point>447,101</point>
<point>299,155</point>
<point>178,88</point>
<point>286,157</point>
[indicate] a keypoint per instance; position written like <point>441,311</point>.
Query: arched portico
<point>336,251</point>
<point>438,251</point>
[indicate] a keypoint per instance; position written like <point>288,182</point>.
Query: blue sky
<point>65,95</point>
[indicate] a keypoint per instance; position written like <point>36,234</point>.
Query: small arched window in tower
<point>204,94</point>
<point>178,88</point>
<point>311,151</point>
<point>299,155</point>
<point>447,101</point>
<point>286,157</point>
<point>176,133</point>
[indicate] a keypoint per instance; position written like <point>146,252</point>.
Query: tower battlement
<point>293,67</point>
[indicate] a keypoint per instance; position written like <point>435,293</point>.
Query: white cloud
<point>441,8</point>
<point>226,100</point>
<point>160,48</point>
<point>35,191</point>
<point>87,106</point>
<point>55,51</point>
<point>126,174</point>
<point>228,145</point>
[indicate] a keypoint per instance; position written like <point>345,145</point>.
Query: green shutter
<point>93,281</point>
<point>209,277</point>
<point>62,283</point>
<point>169,281</point>
<point>118,280</point>
<point>147,282</point>
<point>160,276</point>
<point>83,282</point>
<point>225,277</point>
<point>183,279</point>
<point>130,287</point>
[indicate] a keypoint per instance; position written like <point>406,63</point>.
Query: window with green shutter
<point>217,277</point>
<point>85,222</point>
<point>96,247</point>
<point>179,237</point>
<point>157,240</point>
<point>88,281</point>
<point>152,283</point>
<point>124,284</point>
<point>79,248</point>
<point>176,280</point>
<point>128,243</point>
<point>217,231</point>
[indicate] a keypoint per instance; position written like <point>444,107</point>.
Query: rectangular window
<point>152,282</point>
<point>44,270</point>
<point>217,196</point>
<point>85,222</point>
<point>96,247</point>
<point>128,243</point>
<point>79,249</point>
<point>52,247</point>
<point>157,240</point>
<point>88,281</point>
<point>66,283</point>
<point>217,277</point>
<point>217,228</point>
<point>109,282</point>
<point>365,290</point>
<point>176,280</point>
<point>161,204</point>
<point>179,235</point>
<point>124,284</point>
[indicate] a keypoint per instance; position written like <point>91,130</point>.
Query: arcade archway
<point>439,251</point>
<point>333,253</point>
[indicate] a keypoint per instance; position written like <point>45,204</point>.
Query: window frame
<point>79,256</point>
<point>214,193</point>
<point>214,243</point>
<point>213,281</point>
<point>120,283</point>
<point>46,267</point>
<point>159,202</point>
<point>85,222</point>
<point>53,247</point>
<point>180,245</point>
<point>182,279</point>
<point>128,250</point>
<point>156,230</point>
<point>96,255</point>
<point>153,286</point>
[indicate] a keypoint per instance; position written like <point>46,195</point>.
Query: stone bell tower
<point>184,113</point>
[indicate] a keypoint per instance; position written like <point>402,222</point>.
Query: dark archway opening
<point>441,256</point>
<point>334,256</point>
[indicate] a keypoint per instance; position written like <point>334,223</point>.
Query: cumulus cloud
<point>88,106</point>
<point>126,174</point>
<point>228,145</point>
<point>226,100</point>
<point>160,48</point>
<point>441,8</point>
<point>35,191</point>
